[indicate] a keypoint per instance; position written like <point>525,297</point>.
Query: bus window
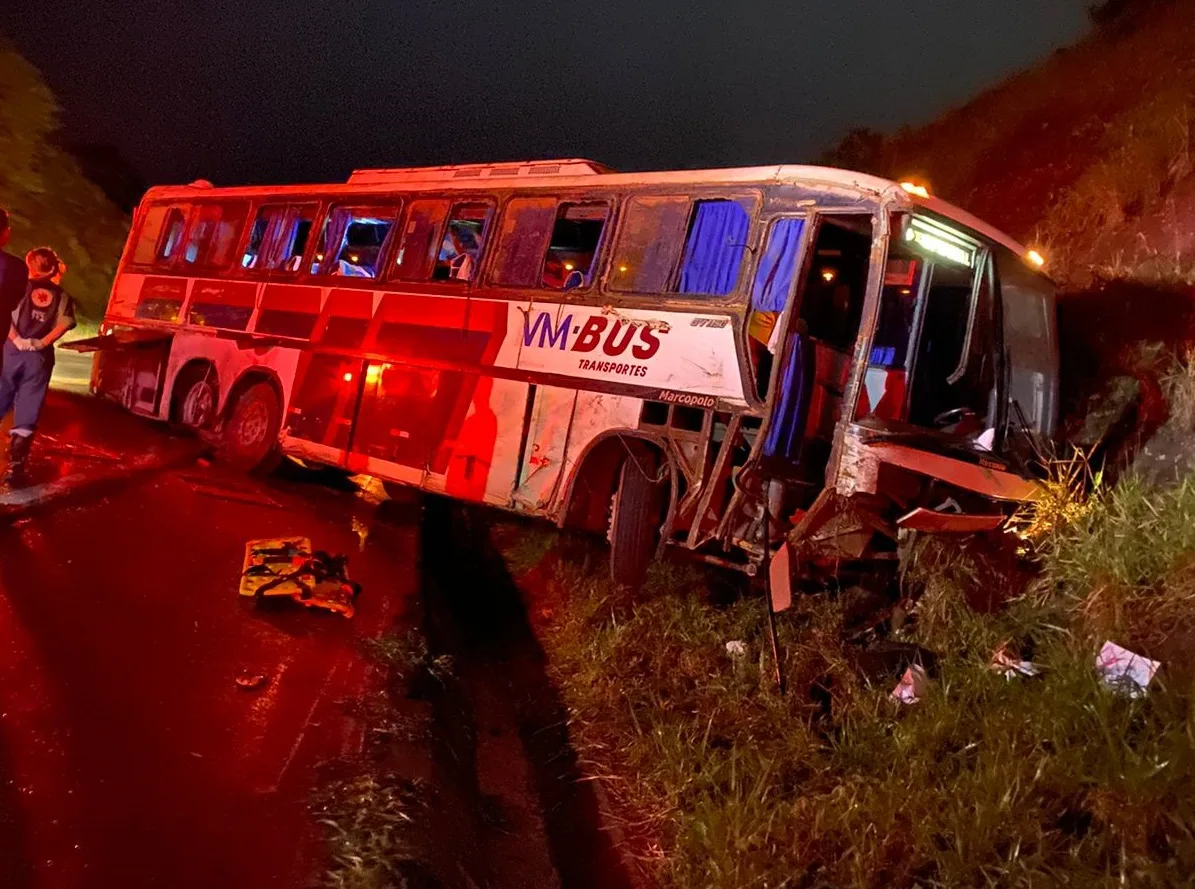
<point>152,224</point>
<point>353,239</point>
<point>414,258</point>
<point>573,245</point>
<point>176,222</point>
<point>714,248</point>
<point>266,216</point>
<point>464,238</point>
<point>214,235</point>
<point>285,253</point>
<point>526,225</point>
<point>648,244</point>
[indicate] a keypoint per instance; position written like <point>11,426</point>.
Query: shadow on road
<point>475,613</point>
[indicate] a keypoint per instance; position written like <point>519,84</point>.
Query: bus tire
<point>250,435</point>
<point>195,402</point>
<point>636,516</point>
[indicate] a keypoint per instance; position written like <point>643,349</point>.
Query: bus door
<point>814,355</point>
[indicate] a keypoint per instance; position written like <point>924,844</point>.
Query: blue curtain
<point>714,250</point>
<point>778,265</point>
<point>783,441</point>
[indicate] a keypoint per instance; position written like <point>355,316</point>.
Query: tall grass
<point>985,782</point>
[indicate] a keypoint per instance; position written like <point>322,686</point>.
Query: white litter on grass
<point>736,648</point>
<point>1010,667</point>
<point>1125,671</point>
<point>912,685</point>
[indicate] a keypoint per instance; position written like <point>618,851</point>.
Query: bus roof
<point>576,172</point>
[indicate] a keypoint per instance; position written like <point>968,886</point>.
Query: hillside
<point>41,185</point>
<point>1087,155</point>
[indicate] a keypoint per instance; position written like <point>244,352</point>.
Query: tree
<point>50,201</point>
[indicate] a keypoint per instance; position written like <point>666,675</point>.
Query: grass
<point>377,822</point>
<point>721,782</point>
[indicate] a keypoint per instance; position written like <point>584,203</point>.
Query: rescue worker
<point>13,275</point>
<point>42,316</point>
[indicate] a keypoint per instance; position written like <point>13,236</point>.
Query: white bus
<point>660,357</point>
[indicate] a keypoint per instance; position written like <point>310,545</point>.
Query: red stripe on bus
<point>289,298</point>
<point>428,311</point>
<point>225,293</point>
<point>163,288</point>
<point>350,304</point>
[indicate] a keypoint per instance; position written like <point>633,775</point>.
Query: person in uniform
<point>41,317</point>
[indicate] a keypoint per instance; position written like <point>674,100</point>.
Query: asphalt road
<point>129,757</point>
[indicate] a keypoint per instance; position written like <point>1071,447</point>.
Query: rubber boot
<point>18,454</point>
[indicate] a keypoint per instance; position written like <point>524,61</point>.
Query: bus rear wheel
<point>250,439</point>
<point>636,516</point>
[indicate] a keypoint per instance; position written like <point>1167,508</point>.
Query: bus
<point>724,361</point>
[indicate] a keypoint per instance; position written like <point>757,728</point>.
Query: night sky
<point>254,91</point>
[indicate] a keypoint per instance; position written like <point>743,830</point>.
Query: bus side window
<point>214,235</point>
<point>269,219</point>
<point>649,244</point>
<point>152,224</point>
<point>353,241</point>
<point>413,261</point>
<point>464,239</point>
<point>526,225</point>
<point>286,253</point>
<point>714,248</point>
<point>176,223</point>
<point>573,246</point>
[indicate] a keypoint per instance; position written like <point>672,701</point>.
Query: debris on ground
<point>361,529</point>
<point>289,568</point>
<point>205,488</point>
<point>736,648</point>
<point>50,444</point>
<point>1125,671</point>
<point>251,681</point>
<point>912,685</point>
<point>1010,666</point>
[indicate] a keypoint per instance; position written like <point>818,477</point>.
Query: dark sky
<point>265,90</point>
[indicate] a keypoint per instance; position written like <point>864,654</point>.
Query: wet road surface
<point>128,755</point>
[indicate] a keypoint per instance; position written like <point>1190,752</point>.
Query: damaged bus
<point>722,361</point>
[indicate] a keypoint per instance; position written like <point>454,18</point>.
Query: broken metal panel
<point>596,414</point>
<point>933,521</point>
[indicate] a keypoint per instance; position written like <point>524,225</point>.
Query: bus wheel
<point>196,404</point>
<point>635,520</point>
<point>250,440</point>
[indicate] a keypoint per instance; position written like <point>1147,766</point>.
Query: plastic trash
<point>1011,667</point>
<point>736,648</point>
<point>1125,671</point>
<point>912,685</point>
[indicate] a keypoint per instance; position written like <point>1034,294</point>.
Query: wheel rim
<point>252,426</point>
<point>197,406</point>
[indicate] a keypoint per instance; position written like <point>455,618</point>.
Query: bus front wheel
<point>250,440</point>
<point>635,520</point>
